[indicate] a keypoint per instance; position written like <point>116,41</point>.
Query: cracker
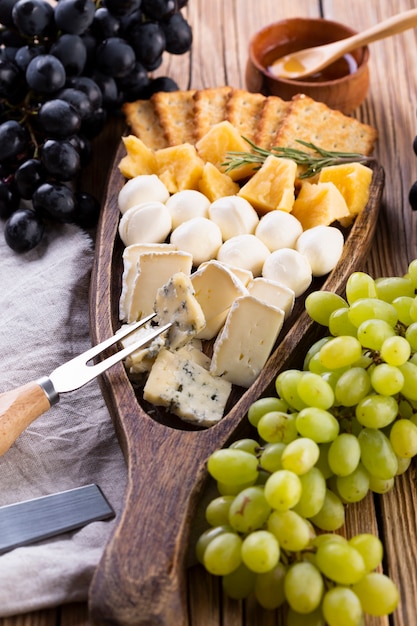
<point>243,110</point>
<point>209,109</point>
<point>175,110</point>
<point>143,120</point>
<point>316,123</point>
<point>272,115</point>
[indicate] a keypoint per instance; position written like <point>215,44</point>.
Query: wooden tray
<point>141,577</point>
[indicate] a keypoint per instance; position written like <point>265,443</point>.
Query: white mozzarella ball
<point>200,237</point>
<point>140,189</point>
<point>290,268</point>
<point>323,247</point>
<point>279,229</point>
<point>149,222</point>
<point>244,251</point>
<point>234,216</point>
<point>186,204</point>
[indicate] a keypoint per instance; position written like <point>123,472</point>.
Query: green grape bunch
<point>341,426</point>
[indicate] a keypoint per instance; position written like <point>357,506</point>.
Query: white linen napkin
<point>44,322</point>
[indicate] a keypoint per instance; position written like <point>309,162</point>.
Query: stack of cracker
<point>173,118</point>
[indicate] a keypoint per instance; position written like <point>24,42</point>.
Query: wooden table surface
<point>222,29</point>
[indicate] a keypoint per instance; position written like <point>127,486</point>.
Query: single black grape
<point>134,84</point>
<point>148,41</point>
<point>13,140</point>
<point>87,210</point>
<point>78,100</point>
<point>89,87</point>
<point>55,201</point>
<point>115,57</point>
<point>9,198</point>
<point>6,8</point>
<point>24,230</point>
<point>161,83</point>
<point>32,17</point>
<point>26,53</point>
<point>105,24</point>
<point>93,124</point>
<point>83,147</point>
<point>71,51</point>
<point>28,176</point>
<point>412,196</point>
<point>74,16</point>
<point>45,74</point>
<point>158,9</point>
<point>112,96</point>
<point>11,79</point>
<point>58,118</point>
<point>178,34</point>
<point>60,159</point>
<point>415,145</point>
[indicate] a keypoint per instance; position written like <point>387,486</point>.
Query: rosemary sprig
<point>312,163</point>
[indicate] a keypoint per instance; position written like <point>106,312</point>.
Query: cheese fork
<point>21,406</point>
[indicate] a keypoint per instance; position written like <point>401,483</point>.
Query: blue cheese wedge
<point>245,342</point>
<point>186,389</point>
<point>175,302</point>
<point>216,288</point>
<point>154,270</point>
<point>131,256</point>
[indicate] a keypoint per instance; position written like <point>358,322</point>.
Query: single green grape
<point>392,287</point>
<point>286,385</point>
<point>403,437</point>
<point>403,464</point>
<point>300,455</point>
<point>240,583</point>
<point>371,549</point>
<point>377,454</point>
<point>377,593</point>
<point>376,411</point>
<point>223,554</point>
<point>340,324</point>
<point>340,562</point>
<point>373,332</point>
<point>352,386</point>
<point>282,490</point>
<point>403,306</point>
<point>344,454</point>
<point>304,587</point>
<point>331,515</point>
<point>411,335</point>
<point>313,493</point>
<point>270,459</point>
<point>320,304</point>
<point>207,536</point>
<point>372,308</point>
<point>387,379</point>
<point>322,462</point>
<point>315,391</point>
<point>232,466</point>
<point>228,489</point>
<point>323,537</point>
<point>381,485</point>
<point>355,486</point>
<point>249,510</point>
<point>340,352</point>
<point>264,405</point>
<point>342,607</point>
<point>277,426</point>
<point>360,285</point>
<point>260,551</point>
<point>395,350</point>
<point>269,587</point>
<point>217,511</point>
<point>409,388</point>
<point>317,424</point>
<point>292,531</point>
<point>248,445</point>
<point>412,272</point>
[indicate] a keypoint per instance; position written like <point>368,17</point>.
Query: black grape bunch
<point>65,68</point>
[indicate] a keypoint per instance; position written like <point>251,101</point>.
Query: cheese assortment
<point>222,255</point>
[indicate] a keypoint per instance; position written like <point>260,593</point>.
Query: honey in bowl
<point>344,66</point>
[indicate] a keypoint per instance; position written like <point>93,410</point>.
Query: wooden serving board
<point>141,577</point>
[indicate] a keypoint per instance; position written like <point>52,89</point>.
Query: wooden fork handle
<point>18,409</point>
